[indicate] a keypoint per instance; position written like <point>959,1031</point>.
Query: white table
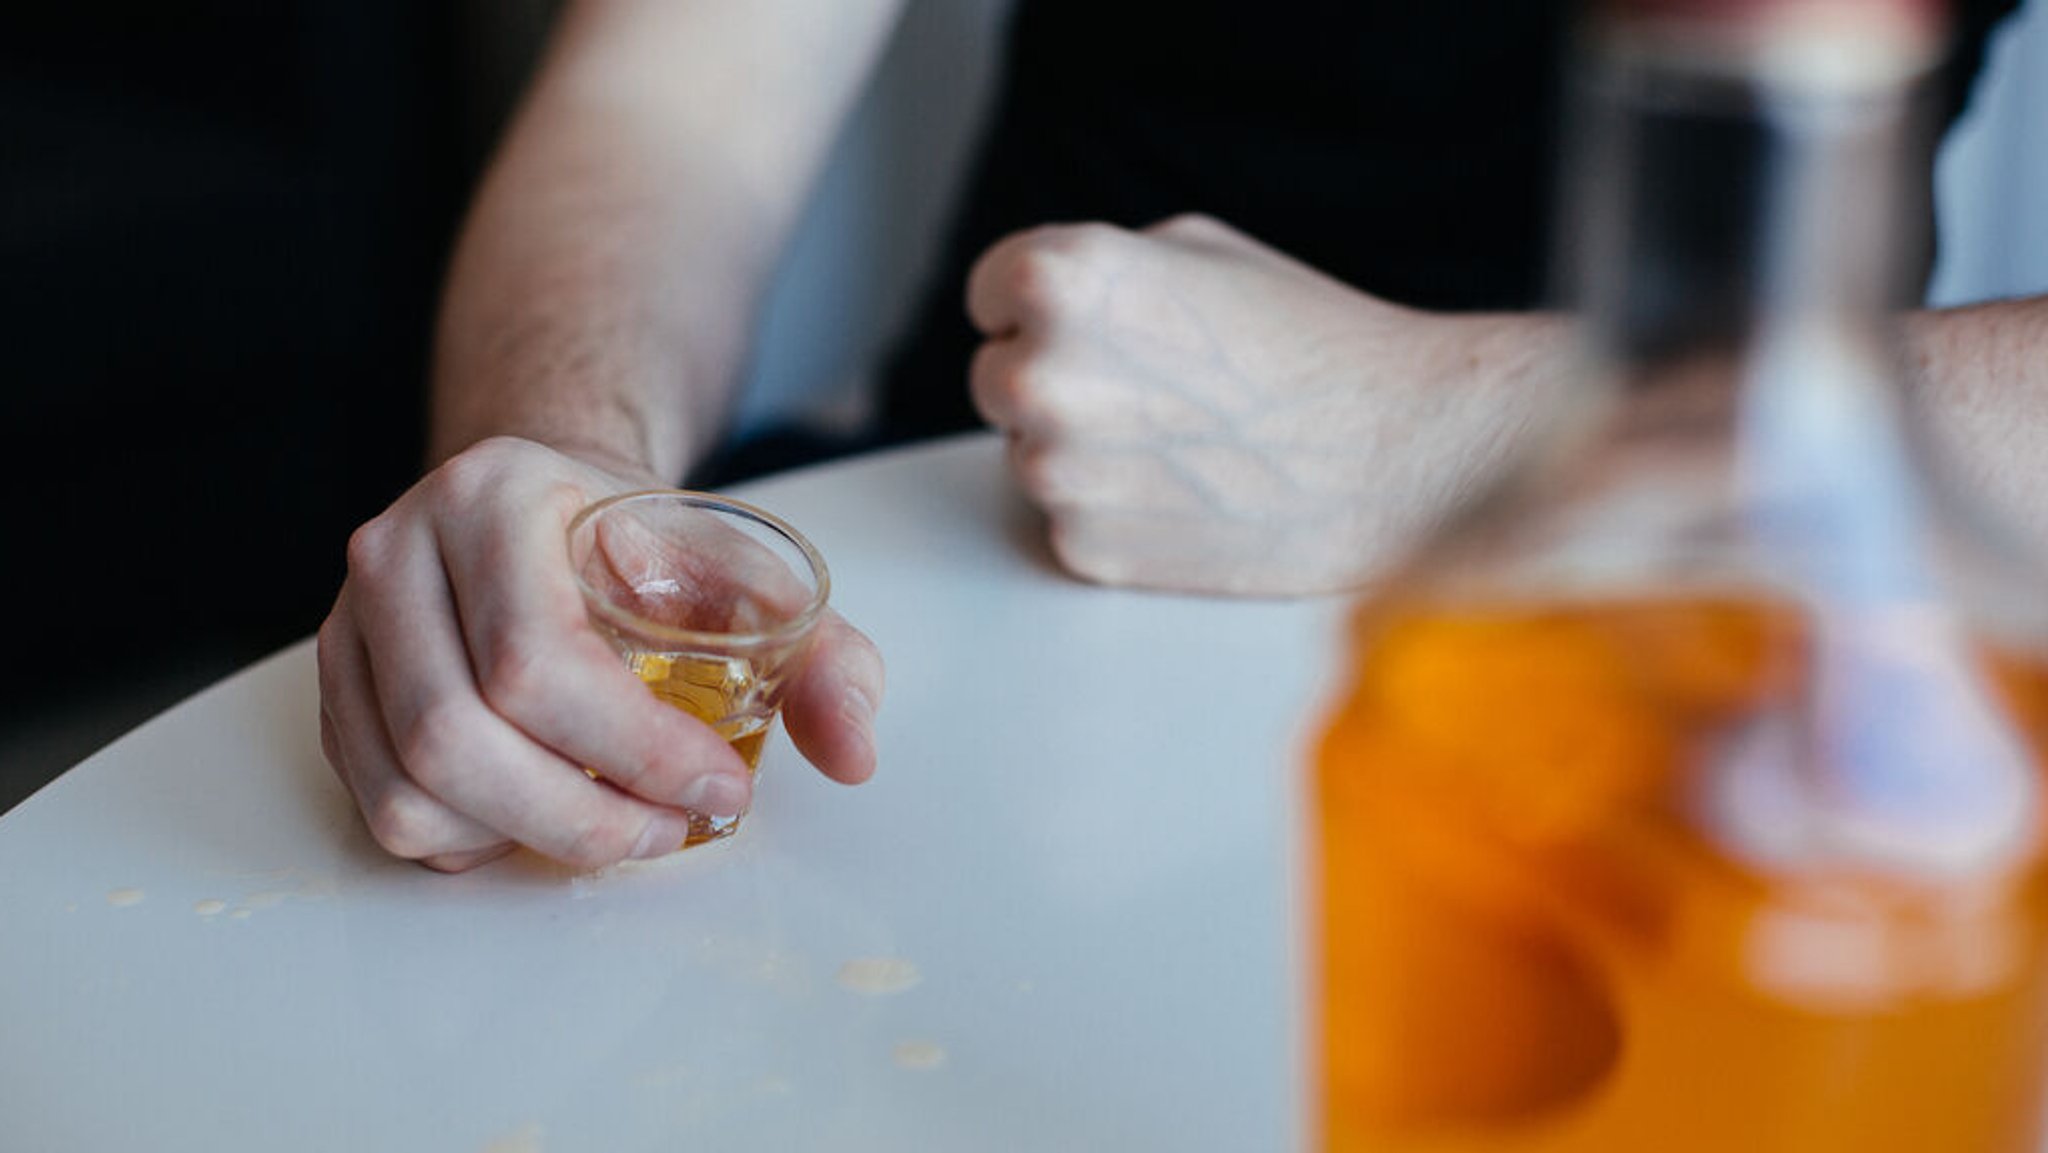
<point>1076,856</point>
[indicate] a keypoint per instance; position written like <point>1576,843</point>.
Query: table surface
<point>1063,915</point>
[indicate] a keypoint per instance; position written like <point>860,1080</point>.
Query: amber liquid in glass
<point>1528,945</point>
<point>714,689</point>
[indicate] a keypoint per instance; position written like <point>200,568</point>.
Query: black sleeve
<point>1975,20</point>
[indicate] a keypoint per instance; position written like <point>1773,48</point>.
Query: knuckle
<point>562,497</point>
<point>497,447</point>
<point>1034,282</point>
<point>1040,396</point>
<point>1070,543</point>
<point>505,473</point>
<point>493,453</point>
<point>1199,225</point>
<point>370,545</point>
<point>844,657</point>
<point>1056,264</point>
<point>406,824</point>
<point>514,674</point>
<point>633,758</point>
<point>1010,386</point>
<point>600,840</point>
<point>463,476</point>
<point>1040,472</point>
<point>428,742</point>
<point>1066,486</point>
<point>480,469</point>
<point>1082,241</point>
<point>984,375</point>
<point>861,664</point>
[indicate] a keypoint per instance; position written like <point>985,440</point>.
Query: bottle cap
<point>1764,11</point>
<point>1831,45</point>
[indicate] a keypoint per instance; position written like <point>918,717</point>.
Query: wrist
<point>604,454</point>
<point>598,428</point>
<point>628,466</point>
<point>1521,356</point>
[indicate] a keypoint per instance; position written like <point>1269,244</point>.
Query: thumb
<point>830,712</point>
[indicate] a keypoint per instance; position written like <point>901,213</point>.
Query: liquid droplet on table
<point>920,1055</point>
<point>878,976</point>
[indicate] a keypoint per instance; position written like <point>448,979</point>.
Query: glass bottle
<point>1683,795</point>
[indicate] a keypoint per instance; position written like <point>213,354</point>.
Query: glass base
<point>704,829</point>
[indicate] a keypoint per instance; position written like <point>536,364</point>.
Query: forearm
<point>602,293</point>
<point>1978,376</point>
<point>561,321</point>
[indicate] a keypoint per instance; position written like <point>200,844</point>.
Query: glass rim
<point>787,632</point>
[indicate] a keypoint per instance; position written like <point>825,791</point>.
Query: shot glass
<point>709,600</point>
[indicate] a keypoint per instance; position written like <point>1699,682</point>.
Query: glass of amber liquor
<point>709,600</point>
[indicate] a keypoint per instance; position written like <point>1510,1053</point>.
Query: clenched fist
<point>1196,411</point>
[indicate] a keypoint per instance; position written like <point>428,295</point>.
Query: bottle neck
<point>1719,201</point>
<point>1837,246</point>
<point>1746,235</point>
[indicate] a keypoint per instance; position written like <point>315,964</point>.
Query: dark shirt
<point>1408,149</point>
<point>222,226</point>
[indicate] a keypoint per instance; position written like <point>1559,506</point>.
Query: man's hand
<point>1196,411</point>
<point>463,693</point>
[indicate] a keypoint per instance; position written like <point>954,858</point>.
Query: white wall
<point>866,241</point>
<point>1991,186</point>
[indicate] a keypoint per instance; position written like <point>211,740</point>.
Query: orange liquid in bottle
<point>1527,944</point>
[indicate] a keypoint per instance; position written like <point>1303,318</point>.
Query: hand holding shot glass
<point>478,668</point>
<point>711,602</point>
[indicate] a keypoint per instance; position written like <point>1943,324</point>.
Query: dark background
<point>222,228</point>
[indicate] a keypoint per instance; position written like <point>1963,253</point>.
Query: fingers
<point>1030,277</point>
<point>1199,230</point>
<point>406,820</point>
<point>1006,381</point>
<point>1187,405</point>
<point>999,285</point>
<point>1030,280</point>
<point>463,862</point>
<point>1072,475</point>
<point>1201,555</point>
<point>487,733</point>
<point>449,744</point>
<point>830,710</point>
<point>1070,388</point>
<point>539,664</point>
<point>465,694</point>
